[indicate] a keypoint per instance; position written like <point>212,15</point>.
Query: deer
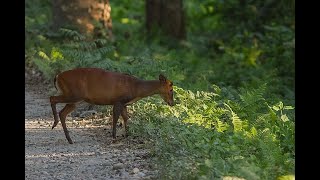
<point>101,87</point>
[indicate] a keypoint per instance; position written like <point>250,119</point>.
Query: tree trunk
<point>167,15</point>
<point>88,16</point>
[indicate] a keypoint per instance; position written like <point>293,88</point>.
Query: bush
<point>207,136</point>
<point>233,76</point>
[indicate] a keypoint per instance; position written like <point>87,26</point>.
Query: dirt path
<point>92,156</point>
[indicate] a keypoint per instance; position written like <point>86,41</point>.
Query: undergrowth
<point>233,80</point>
<point>206,136</point>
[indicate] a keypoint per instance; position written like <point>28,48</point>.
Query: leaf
<point>204,106</point>
<point>288,107</point>
<point>276,108</point>
<point>286,177</point>
<point>185,108</point>
<point>205,138</point>
<point>280,105</point>
<point>252,56</point>
<point>236,121</point>
<point>284,118</point>
<point>221,127</point>
<point>253,131</point>
<point>56,54</point>
<point>43,55</point>
<point>208,163</point>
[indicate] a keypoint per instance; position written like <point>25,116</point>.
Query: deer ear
<point>162,78</point>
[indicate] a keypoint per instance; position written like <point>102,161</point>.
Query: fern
<point>75,55</point>
<point>101,42</point>
<point>88,46</point>
<point>236,121</point>
<point>68,33</point>
<point>76,51</point>
<point>43,67</point>
<point>221,126</point>
<point>252,97</point>
<point>252,103</point>
<point>103,50</point>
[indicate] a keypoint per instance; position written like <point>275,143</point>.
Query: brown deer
<point>100,87</point>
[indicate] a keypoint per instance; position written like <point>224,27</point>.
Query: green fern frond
<point>43,67</point>
<point>103,50</point>
<point>251,97</point>
<point>71,34</point>
<point>221,126</point>
<point>87,46</point>
<point>236,121</point>
<point>101,42</point>
<point>74,55</point>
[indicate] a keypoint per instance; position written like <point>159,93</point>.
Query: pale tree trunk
<point>168,15</point>
<point>88,16</point>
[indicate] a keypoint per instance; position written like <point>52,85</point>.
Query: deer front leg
<point>63,114</point>
<point>117,109</point>
<point>125,117</point>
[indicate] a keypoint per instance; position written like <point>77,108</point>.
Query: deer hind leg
<point>63,114</point>
<point>125,117</point>
<point>117,109</point>
<point>60,99</point>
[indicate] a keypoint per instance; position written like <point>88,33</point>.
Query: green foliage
<point>76,51</point>
<point>189,143</point>
<point>233,80</point>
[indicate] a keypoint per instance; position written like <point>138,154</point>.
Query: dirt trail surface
<point>48,155</point>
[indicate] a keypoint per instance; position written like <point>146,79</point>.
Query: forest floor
<point>48,155</point>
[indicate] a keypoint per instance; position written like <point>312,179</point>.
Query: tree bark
<point>86,15</point>
<point>167,15</point>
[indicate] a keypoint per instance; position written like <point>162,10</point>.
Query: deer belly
<point>100,101</point>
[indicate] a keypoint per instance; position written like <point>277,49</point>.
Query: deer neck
<point>148,88</point>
